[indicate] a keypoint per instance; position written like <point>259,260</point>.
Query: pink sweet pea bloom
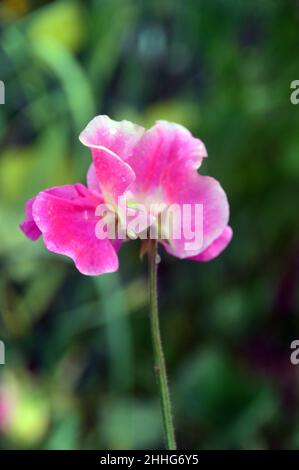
<point>157,166</point>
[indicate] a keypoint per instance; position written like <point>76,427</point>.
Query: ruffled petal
<point>28,226</point>
<point>119,137</point>
<point>194,193</point>
<point>111,144</point>
<point>216,247</point>
<point>113,174</point>
<point>66,218</point>
<point>161,146</point>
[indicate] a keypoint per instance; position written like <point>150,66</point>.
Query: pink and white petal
<point>113,174</point>
<point>162,145</point>
<point>68,228</point>
<point>92,180</point>
<point>216,247</point>
<point>28,226</point>
<point>194,191</point>
<point>120,137</point>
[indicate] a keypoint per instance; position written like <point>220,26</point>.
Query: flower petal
<point>66,218</point>
<point>28,226</point>
<point>119,137</point>
<point>216,247</point>
<point>113,174</point>
<point>161,146</point>
<point>189,190</point>
<point>92,180</point>
<point>111,143</point>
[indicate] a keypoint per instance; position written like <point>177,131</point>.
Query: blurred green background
<point>78,371</point>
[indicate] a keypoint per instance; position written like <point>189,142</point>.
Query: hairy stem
<point>160,367</point>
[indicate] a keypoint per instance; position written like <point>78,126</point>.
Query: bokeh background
<point>78,371</point>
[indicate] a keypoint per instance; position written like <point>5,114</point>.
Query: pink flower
<point>153,168</point>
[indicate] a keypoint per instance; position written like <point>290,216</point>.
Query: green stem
<point>160,367</point>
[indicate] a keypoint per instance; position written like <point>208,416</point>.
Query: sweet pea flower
<point>151,168</point>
